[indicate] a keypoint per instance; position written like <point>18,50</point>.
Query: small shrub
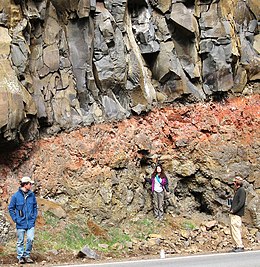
<point>188,225</point>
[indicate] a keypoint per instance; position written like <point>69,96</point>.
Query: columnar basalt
<point>66,64</point>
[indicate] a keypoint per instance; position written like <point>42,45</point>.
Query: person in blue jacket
<point>23,210</point>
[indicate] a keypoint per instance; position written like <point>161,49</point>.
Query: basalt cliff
<point>94,93</point>
<point>72,63</point>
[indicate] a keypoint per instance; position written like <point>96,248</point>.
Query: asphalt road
<point>242,259</point>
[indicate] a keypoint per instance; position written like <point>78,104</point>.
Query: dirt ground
<point>53,258</point>
<point>68,258</point>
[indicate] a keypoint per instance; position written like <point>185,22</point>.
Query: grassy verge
<point>61,235</point>
<point>73,237</point>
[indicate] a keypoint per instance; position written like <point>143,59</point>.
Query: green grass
<point>74,237</point>
<point>117,236</point>
<point>145,222</point>
<point>144,228</point>
<point>10,247</point>
<point>188,225</point>
<point>50,219</point>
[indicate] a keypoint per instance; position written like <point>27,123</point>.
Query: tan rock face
<point>16,102</point>
<point>184,17</point>
<point>5,43</point>
<point>254,6</point>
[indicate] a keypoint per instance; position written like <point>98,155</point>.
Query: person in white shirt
<point>158,180</point>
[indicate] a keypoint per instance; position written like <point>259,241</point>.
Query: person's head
<point>238,181</point>
<point>26,183</point>
<point>158,168</point>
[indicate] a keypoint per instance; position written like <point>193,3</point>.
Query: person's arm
<point>35,207</point>
<point>12,208</point>
<point>164,181</point>
<point>148,180</point>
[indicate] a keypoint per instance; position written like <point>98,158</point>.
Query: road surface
<point>242,259</point>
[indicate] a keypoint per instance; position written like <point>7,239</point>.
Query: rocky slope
<point>98,171</point>
<point>94,93</point>
<point>94,176</point>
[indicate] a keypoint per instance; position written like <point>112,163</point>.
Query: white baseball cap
<point>238,178</point>
<point>27,179</point>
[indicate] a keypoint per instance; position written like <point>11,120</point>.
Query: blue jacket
<point>23,209</point>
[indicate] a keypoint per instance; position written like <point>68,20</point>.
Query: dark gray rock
<point>87,252</point>
<point>86,61</point>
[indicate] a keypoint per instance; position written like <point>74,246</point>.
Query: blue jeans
<point>20,242</point>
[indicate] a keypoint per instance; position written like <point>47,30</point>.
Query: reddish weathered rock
<point>99,170</point>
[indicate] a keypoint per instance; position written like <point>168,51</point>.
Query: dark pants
<point>158,199</point>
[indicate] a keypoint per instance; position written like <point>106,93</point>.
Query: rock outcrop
<point>97,173</point>
<point>66,64</point>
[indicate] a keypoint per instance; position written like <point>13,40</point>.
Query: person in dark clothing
<point>237,210</point>
<point>23,210</point>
